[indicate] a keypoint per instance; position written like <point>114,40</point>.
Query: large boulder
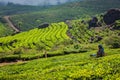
<point>111,16</point>
<point>93,22</point>
<point>44,25</point>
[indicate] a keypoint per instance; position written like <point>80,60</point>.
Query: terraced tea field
<point>67,67</point>
<point>45,38</point>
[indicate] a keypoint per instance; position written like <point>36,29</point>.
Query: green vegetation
<point>54,40</point>
<point>117,25</point>
<point>113,41</point>
<point>64,47</point>
<point>68,67</point>
<point>12,9</point>
<point>4,30</point>
<point>68,11</point>
<point>79,31</point>
<point>36,39</point>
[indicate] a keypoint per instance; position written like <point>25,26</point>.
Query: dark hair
<point>100,46</point>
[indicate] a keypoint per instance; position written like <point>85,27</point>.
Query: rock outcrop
<point>111,16</point>
<point>44,25</point>
<point>93,22</point>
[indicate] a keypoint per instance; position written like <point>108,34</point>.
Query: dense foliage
<point>75,39</point>
<point>68,11</point>
<point>11,9</point>
<point>34,40</point>
<point>54,39</point>
<point>46,38</point>
<point>4,30</point>
<point>113,41</point>
<point>80,32</point>
<point>69,67</point>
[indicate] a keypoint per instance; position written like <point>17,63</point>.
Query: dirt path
<point>7,18</point>
<point>10,63</point>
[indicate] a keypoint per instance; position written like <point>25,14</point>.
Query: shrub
<point>9,58</point>
<point>117,25</point>
<point>113,41</point>
<point>18,51</point>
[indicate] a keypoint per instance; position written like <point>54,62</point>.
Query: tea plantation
<point>69,67</point>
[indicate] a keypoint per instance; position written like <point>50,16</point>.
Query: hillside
<point>70,67</point>
<point>47,37</point>
<point>36,40</point>
<point>73,36</point>
<point>5,30</point>
<point>12,9</point>
<point>29,17</point>
<point>72,41</point>
<point>68,11</point>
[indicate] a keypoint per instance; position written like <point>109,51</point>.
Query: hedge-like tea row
<point>45,38</point>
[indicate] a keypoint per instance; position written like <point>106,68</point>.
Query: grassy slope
<point>73,66</point>
<point>14,9</point>
<point>82,34</point>
<point>4,30</point>
<point>18,9</point>
<point>29,45</point>
<point>70,67</point>
<point>33,40</point>
<point>64,12</point>
<point>55,32</point>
